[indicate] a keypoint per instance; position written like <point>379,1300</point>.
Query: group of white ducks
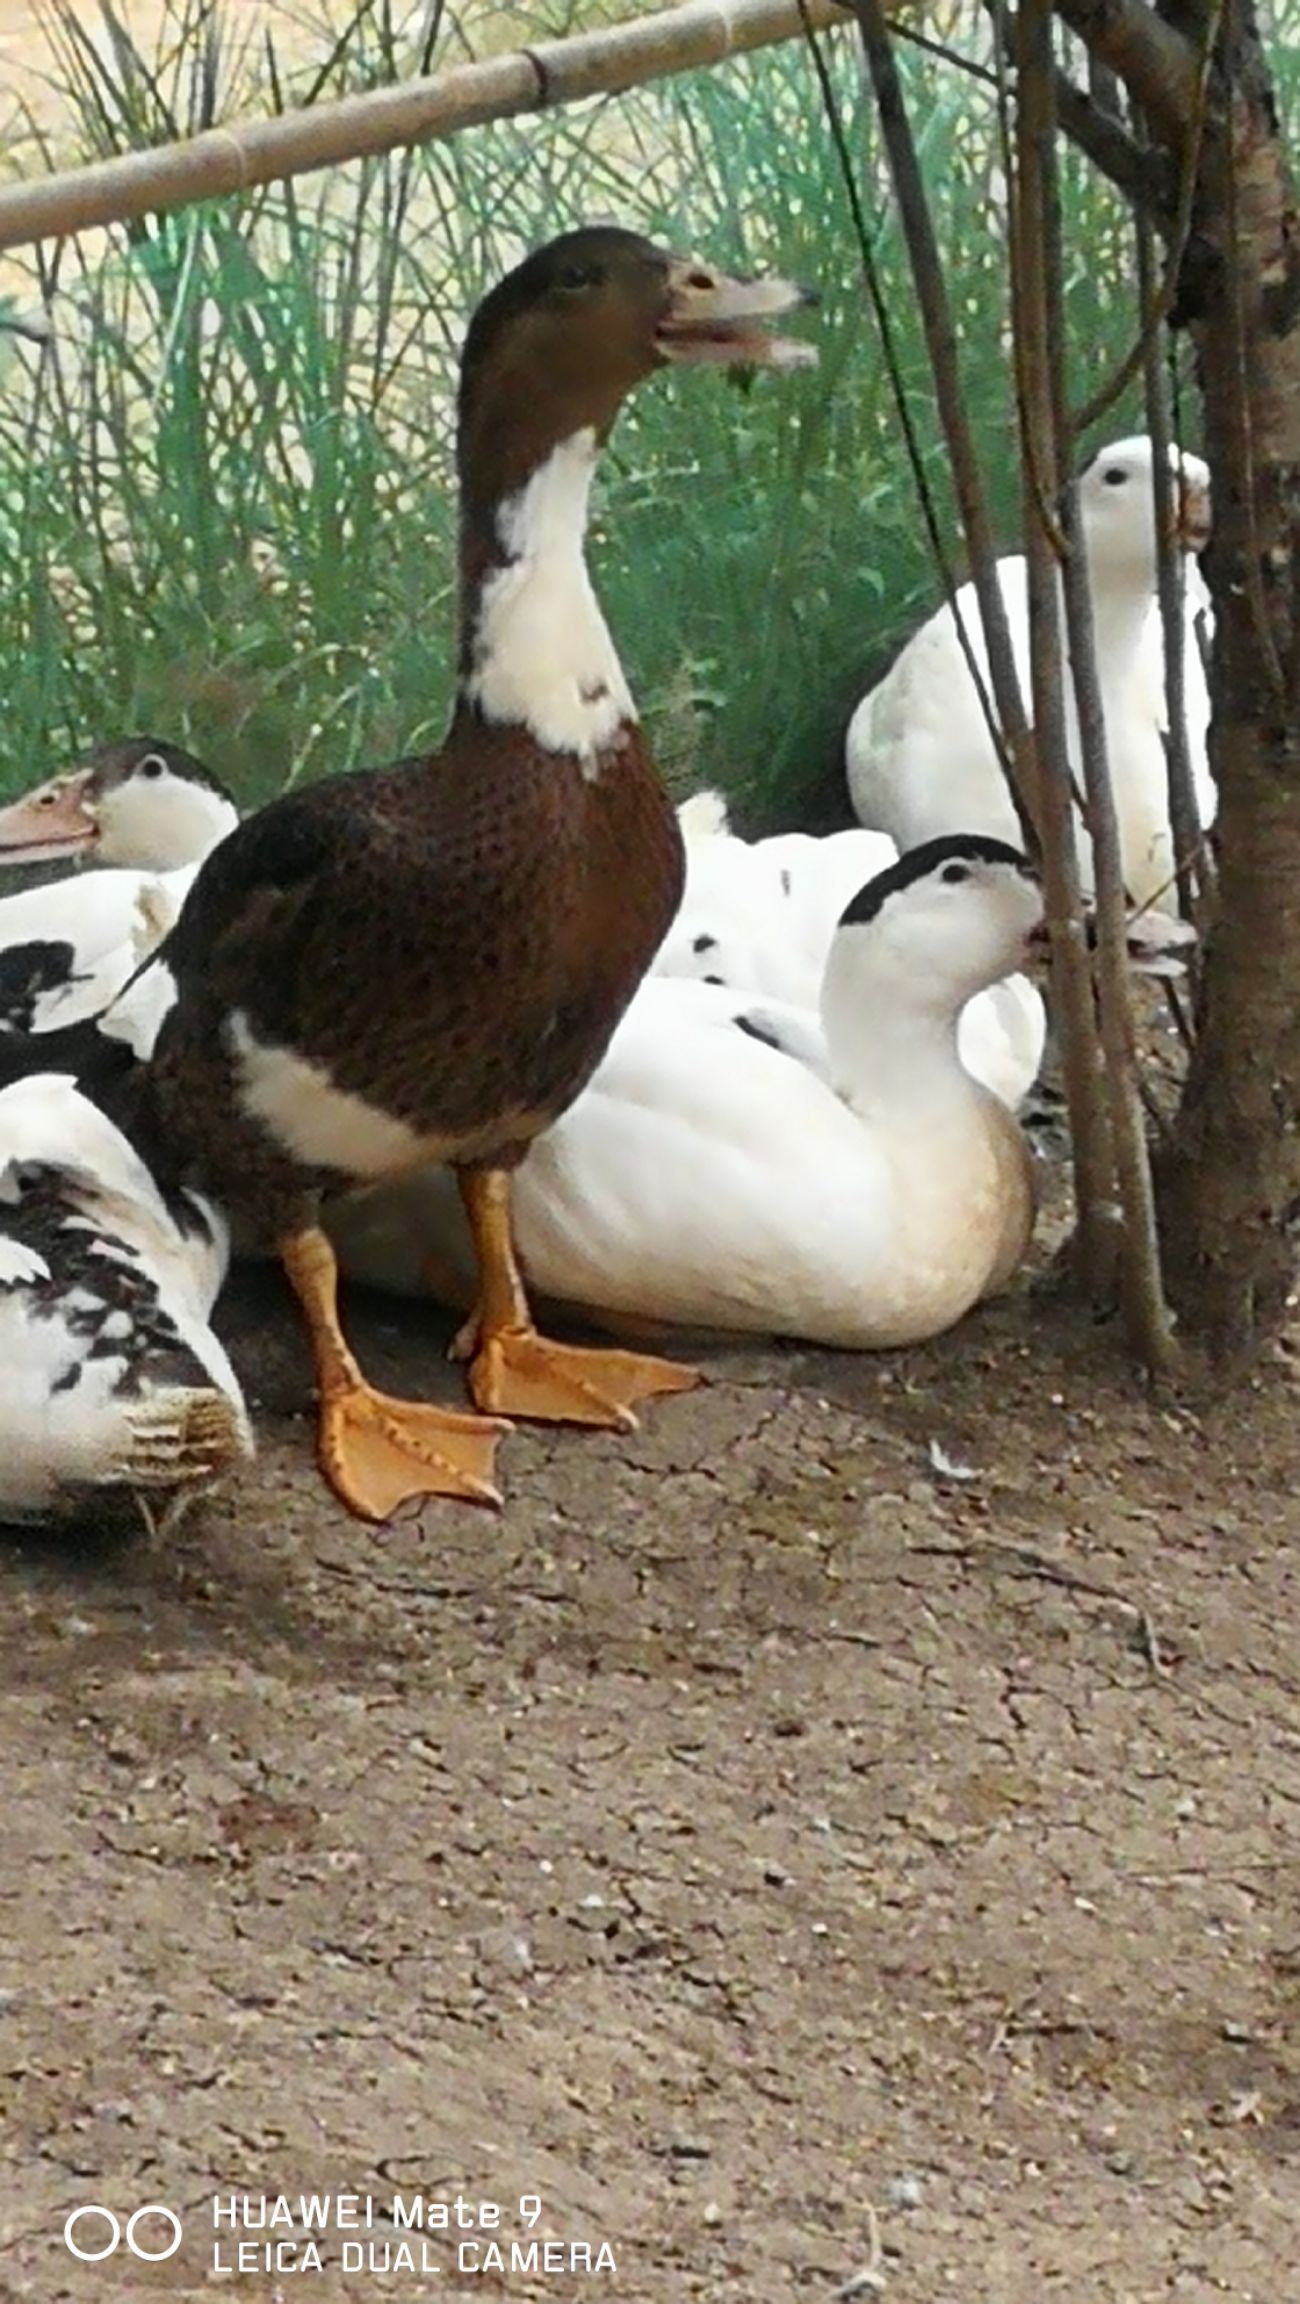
<point>805,1124</point>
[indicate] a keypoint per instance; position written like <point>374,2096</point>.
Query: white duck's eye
<point>1115,476</point>
<point>153,764</point>
<point>954,872</point>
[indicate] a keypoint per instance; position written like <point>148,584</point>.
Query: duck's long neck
<point>891,1047</point>
<point>536,652</point>
<point>1121,603</point>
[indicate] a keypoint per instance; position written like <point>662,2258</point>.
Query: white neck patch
<point>543,657</point>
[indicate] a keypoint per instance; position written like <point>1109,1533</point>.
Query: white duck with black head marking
<point>115,1388</point>
<point>711,1177</point>
<point>146,811</point>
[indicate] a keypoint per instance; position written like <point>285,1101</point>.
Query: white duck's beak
<point>713,319</point>
<point>56,820</point>
<point>1192,523</point>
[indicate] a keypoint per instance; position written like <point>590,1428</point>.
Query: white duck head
<point>139,802</point>
<point>950,918</point>
<point>1117,508</point>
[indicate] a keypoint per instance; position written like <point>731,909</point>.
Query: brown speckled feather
<point>452,939</point>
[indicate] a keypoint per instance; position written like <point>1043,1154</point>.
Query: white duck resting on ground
<point>708,1179</point>
<point>114,1387</point>
<point>919,756</point>
<point>149,813</point>
<point>758,916</point>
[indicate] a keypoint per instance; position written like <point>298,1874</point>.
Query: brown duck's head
<point>139,802</point>
<point>560,342</point>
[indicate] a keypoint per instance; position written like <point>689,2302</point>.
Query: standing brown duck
<point>426,962</point>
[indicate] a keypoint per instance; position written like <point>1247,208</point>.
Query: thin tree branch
<point>1144,177</point>
<point>1017,750</point>
<point>1156,299</point>
<point>1171,591</point>
<point>1040,401</point>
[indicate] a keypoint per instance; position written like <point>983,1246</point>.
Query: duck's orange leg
<point>516,1372</point>
<point>377,1452</point>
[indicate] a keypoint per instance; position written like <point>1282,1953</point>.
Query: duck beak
<point>55,820</point>
<point>712,319</point>
<point>1192,518</point>
<point>1037,947</point>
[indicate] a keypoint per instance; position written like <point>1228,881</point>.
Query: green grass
<point>225,492</point>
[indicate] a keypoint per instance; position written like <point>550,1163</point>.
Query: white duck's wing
<point>66,949</point>
<point>918,752</point>
<point>113,1378</point>
<point>733,927</point>
<point>818,875</point>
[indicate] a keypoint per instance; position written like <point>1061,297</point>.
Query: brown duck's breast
<point>465,951</point>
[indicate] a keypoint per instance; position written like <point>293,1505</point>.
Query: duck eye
<point>954,872</point>
<point>1115,476</point>
<point>574,278</point>
<point>152,765</point>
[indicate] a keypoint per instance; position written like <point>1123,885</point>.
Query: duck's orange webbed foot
<point>515,1372</point>
<point>377,1452</point>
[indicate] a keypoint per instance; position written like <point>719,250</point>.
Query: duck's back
<point>920,759</point>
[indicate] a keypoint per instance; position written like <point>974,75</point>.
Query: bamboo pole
<point>222,161</point>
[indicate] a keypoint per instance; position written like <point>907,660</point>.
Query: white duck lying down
<point>149,813</point>
<point>708,1179</point>
<point>114,1386</point>
<point>758,916</point>
<point>919,756</point>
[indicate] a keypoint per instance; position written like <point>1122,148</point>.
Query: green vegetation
<point>225,496</point>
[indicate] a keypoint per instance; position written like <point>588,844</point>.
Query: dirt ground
<point>808,1873</point>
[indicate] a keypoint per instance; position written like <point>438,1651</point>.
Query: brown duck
<point>426,962</point>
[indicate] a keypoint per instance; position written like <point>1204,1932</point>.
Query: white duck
<point>919,756</point>
<point>708,1179</point>
<point>758,917</point>
<point>149,812</point>
<point>114,1386</point>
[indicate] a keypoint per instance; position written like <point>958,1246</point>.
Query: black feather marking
<point>93,1059</point>
<point>27,973</point>
<point>917,863</point>
<point>705,944</point>
<point>109,1278</point>
<point>759,1031</point>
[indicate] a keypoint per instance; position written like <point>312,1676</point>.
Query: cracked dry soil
<point>747,1841</point>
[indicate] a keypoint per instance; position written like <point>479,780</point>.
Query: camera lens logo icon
<point>109,2234</point>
